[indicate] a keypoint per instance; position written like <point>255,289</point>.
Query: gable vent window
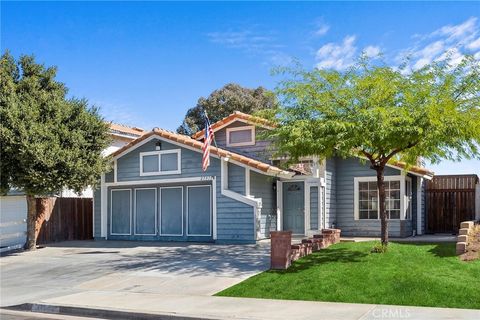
<point>160,162</point>
<point>241,136</point>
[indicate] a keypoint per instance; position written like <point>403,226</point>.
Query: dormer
<point>241,133</point>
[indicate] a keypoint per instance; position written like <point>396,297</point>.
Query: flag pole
<point>209,124</point>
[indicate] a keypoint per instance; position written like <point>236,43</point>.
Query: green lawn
<point>408,274</point>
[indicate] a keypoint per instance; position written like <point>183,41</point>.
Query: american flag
<point>206,144</point>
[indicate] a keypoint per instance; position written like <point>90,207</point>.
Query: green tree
<point>380,113</point>
<point>48,141</point>
<point>224,101</point>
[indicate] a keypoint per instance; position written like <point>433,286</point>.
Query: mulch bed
<point>473,247</point>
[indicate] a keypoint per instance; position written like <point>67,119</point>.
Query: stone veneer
<point>462,239</point>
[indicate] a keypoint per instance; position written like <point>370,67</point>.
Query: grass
<point>407,274</point>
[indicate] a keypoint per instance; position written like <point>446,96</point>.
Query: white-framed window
<point>397,198</point>
<point>241,136</point>
<point>161,162</point>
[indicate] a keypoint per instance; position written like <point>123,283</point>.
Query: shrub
<point>378,247</point>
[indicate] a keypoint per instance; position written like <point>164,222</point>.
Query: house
<point>158,191</point>
<point>13,206</point>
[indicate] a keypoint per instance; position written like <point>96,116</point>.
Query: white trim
<point>407,199</point>
<point>160,213</point>
<point>241,144</point>
<point>211,211</point>
<point>157,181</point>
<point>94,213</point>
<point>256,203</point>
<point>234,195</point>
<point>214,209</point>
<point>253,123</point>
<point>111,213</point>
<point>279,205</point>
<point>158,137</point>
<point>160,153</point>
<point>356,180</point>
<point>115,170</point>
<point>284,174</point>
<point>306,205</point>
<point>135,212</point>
<point>419,206</point>
<point>247,182</point>
<point>103,208</point>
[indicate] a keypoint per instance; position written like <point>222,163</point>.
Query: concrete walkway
<point>125,266</point>
<point>167,279</point>
<point>207,307</point>
<point>426,238</point>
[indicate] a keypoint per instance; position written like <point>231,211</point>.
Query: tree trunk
<point>381,201</point>
<point>31,243</point>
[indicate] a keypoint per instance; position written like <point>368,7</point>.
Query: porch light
<point>158,145</point>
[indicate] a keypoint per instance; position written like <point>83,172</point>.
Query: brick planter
<point>283,252</point>
<point>280,249</point>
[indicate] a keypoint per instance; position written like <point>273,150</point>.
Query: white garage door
<point>13,226</point>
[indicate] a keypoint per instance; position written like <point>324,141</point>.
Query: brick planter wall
<point>283,252</point>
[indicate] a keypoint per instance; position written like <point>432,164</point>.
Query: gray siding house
<point>158,191</point>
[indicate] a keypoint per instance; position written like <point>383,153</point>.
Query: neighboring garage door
<point>178,213</point>
<point>13,225</point>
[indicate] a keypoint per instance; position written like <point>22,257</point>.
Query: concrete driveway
<point>127,267</point>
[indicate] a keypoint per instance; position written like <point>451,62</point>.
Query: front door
<point>294,207</point>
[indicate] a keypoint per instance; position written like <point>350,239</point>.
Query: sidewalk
<point>206,307</point>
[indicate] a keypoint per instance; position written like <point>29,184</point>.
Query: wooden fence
<point>450,200</point>
<point>60,219</point>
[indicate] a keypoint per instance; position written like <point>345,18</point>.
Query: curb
<point>96,313</point>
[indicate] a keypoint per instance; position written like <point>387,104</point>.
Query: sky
<point>146,63</point>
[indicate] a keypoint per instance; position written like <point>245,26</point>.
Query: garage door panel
<point>199,210</point>
<point>171,211</point>
<point>145,211</point>
<point>121,211</point>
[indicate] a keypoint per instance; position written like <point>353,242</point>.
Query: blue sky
<point>146,63</point>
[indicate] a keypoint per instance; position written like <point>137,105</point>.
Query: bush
<point>378,247</point>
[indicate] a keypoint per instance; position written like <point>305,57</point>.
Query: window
<point>392,199</point>
<point>408,198</point>
<point>160,162</point>
<point>368,196</point>
<point>367,199</point>
<point>241,136</point>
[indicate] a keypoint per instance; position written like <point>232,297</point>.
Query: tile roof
<point>186,140</point>
<point>415,169</point>
<point>116,128</point>
<point>237,115</point>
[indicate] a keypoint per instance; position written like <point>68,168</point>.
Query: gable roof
<point>125,131</point>
<point>192,143</point>
<point>236,116</point>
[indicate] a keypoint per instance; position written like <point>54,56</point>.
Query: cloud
<point>337,56</point>
<point>254,43</point>
<point>475,44</point>
<point>322,29</point>
<point>246,40</point>
<point>448,42</point>
<point>372,51</point>
<point>342,55</point>
<point>460,31</point>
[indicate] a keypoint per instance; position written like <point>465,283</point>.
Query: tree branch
<point>397,150</point>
